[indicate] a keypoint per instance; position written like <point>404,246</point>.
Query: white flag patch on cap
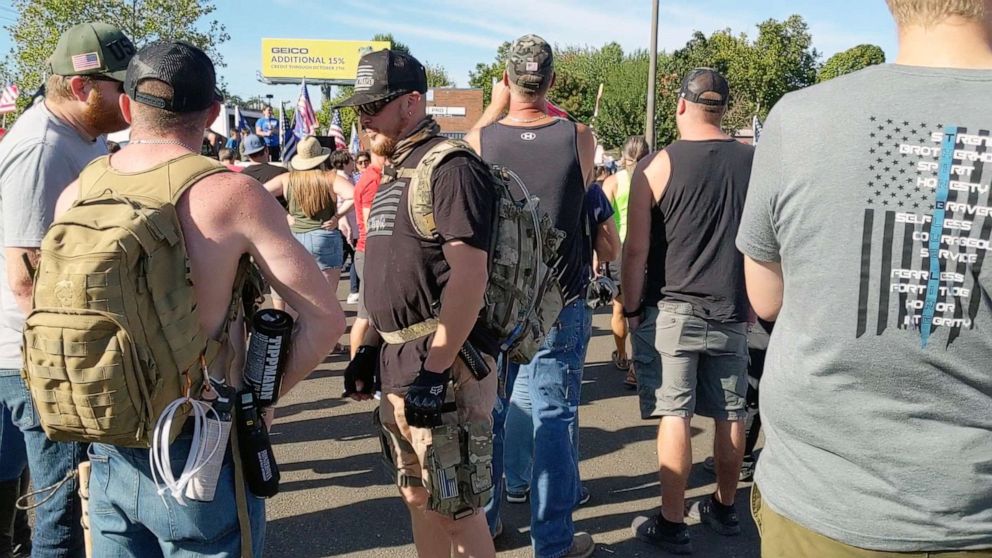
<point>83,62</point>
<point>365,78</point>
<point>532,66</point>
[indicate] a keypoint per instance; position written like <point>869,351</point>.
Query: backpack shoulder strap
<point>421,195</point>
<point>186,171</point>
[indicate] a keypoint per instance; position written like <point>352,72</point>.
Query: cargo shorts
<point>704,364</point>
<point>407,447</point>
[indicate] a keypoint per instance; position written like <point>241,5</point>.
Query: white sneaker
<point>352,298</point>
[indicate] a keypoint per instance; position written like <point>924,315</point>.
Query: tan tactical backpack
<point>114,336</point>
<point>523,297</point>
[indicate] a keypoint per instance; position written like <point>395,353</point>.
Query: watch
<point>633,313</point>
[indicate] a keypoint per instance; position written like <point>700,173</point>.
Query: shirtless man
<point>169,100</point>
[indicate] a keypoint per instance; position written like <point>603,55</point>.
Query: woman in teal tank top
<point>617,190</point>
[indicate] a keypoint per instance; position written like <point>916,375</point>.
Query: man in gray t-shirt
<point>867,232</point>
<point>41,155</point>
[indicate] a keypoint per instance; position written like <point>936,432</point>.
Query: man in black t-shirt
<point>424,298</point>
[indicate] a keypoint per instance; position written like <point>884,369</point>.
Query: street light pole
<point>652,77</point>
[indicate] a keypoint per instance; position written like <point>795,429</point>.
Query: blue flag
<point>289,138</point>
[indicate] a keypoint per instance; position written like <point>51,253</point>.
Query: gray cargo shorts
<point>704,363</point>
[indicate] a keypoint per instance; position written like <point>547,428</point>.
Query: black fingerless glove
<point>425,398</point>
<point>362,368</point>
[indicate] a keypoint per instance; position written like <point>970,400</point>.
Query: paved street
<point>336,500</point>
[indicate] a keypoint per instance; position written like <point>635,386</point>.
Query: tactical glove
<point>362,368</point>
<point>425,399</point>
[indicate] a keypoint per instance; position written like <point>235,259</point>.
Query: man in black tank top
<point>689,198</point>
<point>554,158</point>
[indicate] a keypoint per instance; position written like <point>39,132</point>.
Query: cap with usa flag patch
<point>94,48</point>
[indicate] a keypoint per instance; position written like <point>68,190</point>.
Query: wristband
<point>633,313</point>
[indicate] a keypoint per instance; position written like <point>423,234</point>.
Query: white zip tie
<point>161,464</point>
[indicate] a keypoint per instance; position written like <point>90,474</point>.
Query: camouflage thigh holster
<point>459,469</point>
<point>458,464</point>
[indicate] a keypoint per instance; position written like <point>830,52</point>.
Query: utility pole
<point>652,77</point>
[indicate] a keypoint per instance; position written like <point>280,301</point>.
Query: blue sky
<point>459,33</point>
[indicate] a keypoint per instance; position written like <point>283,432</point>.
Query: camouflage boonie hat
<point>530,62</point>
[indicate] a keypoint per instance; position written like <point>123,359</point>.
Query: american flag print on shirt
<point>909,164</point>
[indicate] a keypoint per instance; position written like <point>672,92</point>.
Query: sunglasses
<point>362,162</point>
<point>120,84</point>
<point>375,107</point>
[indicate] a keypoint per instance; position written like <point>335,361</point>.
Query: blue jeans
<point>535,432</point>
<point>13,453</point>
<point>57,532</point>
<point>129,519</point>
<point>327,247</point>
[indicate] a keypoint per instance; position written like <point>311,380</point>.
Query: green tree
<point>40,23</point>
<point>437,76</point>
<point>396,45</point>
<point>483,75</point>
<point>850,60</point>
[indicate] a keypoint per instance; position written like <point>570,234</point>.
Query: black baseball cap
<point>184,67</point>
<point>701,81</point>
<point>384,74</point>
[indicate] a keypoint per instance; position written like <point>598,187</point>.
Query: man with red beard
<point>424,297</point>
<point>45,151</point>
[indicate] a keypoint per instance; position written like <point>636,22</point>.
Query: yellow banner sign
<point>314,59</point>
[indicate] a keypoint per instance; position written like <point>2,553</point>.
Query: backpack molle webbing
<point>114,336</point>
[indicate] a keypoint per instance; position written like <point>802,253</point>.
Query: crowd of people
<point>838,266</point>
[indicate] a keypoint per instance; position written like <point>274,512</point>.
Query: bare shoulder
<point>67,198</point>
<point>229,199</point>
<point>655,167</point>
<point>610,186</point>
<point>473,139</point>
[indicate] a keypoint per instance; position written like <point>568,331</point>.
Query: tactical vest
<point>523,297</point>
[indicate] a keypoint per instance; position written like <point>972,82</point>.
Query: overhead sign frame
<point>319,61</point>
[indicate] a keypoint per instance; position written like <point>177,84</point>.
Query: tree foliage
<point>779,59</point>
<point>851,60</point>
<point>40,23</point>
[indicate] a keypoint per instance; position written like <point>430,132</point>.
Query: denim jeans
<point>535,432</point>
<point>129,519</point>
<point>57,532</point>
<point>13,453</point>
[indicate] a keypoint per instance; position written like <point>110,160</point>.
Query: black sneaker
<point>672,537</point>
<point>720,518</point>
<point>747,468</point>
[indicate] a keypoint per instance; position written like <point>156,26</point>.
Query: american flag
<point>355,145</point>
<point>335,131</point>
<point>8,99</point>
<point>306,120</point>
<point>904,165</point>
<point>83,62</point>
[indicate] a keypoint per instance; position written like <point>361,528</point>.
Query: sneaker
<point>720,518</point>
<point>517,497</point>
<point>672,537</point>
<point>352,299</point>
<point>747,468</point>
<point>584,496</point>
<point>582,546</point>
<point>499,528</point>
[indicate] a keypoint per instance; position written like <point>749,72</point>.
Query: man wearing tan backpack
<point>43,152</point>
<point>159,179</point>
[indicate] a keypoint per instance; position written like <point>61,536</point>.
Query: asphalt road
<point>336,499</point>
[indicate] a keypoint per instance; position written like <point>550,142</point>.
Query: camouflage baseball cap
<point>92,49</point>
<point>530,62</point>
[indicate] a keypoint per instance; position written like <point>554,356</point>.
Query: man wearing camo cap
<point>540,453</point>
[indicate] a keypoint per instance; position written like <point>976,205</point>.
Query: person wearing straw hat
<point>312,188</point>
